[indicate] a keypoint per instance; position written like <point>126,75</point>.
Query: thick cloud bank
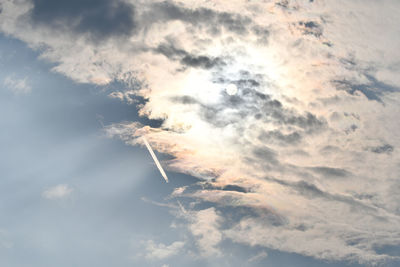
<point>305,153</point>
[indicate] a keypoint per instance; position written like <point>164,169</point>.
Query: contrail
<point>181,207</point>
<point>155,159</point>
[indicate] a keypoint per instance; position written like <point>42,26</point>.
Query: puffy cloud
<point>160,251</point>
<point>204,225</point>
<point>57,192</point>
<point>305,153</point>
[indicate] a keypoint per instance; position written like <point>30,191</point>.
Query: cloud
<point>17,86</point>
<point>258,257</point>
<point>386,148</point>
<point>168,10</point>
<point>204,225</point>
<point>187,59</point>
<point>305,153</point>
<point>160,251</point>
<point>57,192</point>
<point>99,19</point>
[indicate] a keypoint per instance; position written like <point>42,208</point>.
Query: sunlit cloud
<point>160,251</point>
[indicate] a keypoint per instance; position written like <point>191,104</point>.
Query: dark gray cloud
<point>187,59</point>
<point>310,28</point>
<point>262,32</point>
<point>351,129</point>
<point>283,139</point>
<point>331,172</point>
<point>234,213</point>
<point>201,17</point>
<point>283,3</point>
<point>386,148</point>
<point>99,18</point>
<point>235,188</point>
<point>245,80</point>
<point>201,61</point>
<point>265,154</point>
<point>308,121</point>
<point>362,196</point>
<point>373,90</point>
<point>229,187</point>
<point>170,51</point>
<point>309,190</point>
<point>187,100</point>
<point>247,83</point>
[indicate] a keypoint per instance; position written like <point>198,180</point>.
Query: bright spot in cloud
<point>58,191</point>
<point>231,89</point>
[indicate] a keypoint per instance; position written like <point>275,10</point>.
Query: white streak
<point>181,207</point>
<point>155,159</point>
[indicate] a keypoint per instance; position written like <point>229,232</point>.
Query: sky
<point>276,122</point>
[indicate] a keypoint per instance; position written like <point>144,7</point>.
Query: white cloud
<point>258,257</point>
<point>204,225</point>
<point>160,251</point>
<point>58,192</point>
<point>17,86</point>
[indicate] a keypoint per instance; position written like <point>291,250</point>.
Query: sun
<point>231,89</point>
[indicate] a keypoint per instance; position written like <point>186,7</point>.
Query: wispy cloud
<point>17,85</point>
<point>160,251</point>
<point>258,257</point>
<point>57,192</point>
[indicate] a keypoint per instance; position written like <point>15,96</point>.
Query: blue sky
<point>298,166</point>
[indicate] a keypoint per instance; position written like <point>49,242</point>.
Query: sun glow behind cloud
<point>307,145</point>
